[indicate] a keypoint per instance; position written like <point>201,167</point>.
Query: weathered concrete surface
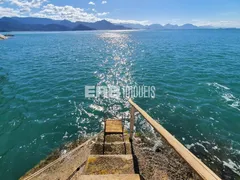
<point>113,126</point>
<point>109,164</point>
<point>114,138</point>
<point>157,160</point>
<point>112,148</point>
<point>107,177</point>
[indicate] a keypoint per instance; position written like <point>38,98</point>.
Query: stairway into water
<point>111,156</point>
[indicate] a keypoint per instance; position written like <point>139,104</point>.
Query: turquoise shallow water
<point>196,74</point>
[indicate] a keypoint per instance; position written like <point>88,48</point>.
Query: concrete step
<point>107,177</point>
<point>109,164</point>
<point>113,138</point>
<point>111,148</point>
<point>113,126</point>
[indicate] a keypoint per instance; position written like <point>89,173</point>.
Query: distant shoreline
<point>2,32</point>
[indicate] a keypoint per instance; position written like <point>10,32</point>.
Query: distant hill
<point>104,25</point>
<point>44,24</point>
<point>33,20</point>
<point>81,27</point>
<point>133,26</point>
<point>69,24</point>
<point>170,26</point>
<point>13,25</point>
<point>167,26</point>
<point>187,26</point>
<point>54,27</point>
<point>155,26</point>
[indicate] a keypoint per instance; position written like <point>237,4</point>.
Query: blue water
<point>196,74</point>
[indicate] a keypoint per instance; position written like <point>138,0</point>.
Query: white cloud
<point>104,2</point>
<point>57,12</point>
<point>76,14</point>
<point>91,3</point>
<point>65,12</point>
<point>27,5</point>
<point>102,14</point>
<point>8,12</point>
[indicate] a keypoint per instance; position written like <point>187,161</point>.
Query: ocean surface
<point>43,75</point>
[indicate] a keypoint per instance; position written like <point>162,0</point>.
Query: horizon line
<point>145,25</point>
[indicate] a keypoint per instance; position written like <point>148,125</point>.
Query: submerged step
<point>109,164</point>
<point>112,148</point>
<point>107,177</point>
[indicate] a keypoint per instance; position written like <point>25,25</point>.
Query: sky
<point>217,13</point>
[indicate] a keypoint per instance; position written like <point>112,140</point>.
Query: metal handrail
<point>198,166</point>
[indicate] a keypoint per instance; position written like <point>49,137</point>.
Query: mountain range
<point>167,26</point>
<point>45,24</point>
